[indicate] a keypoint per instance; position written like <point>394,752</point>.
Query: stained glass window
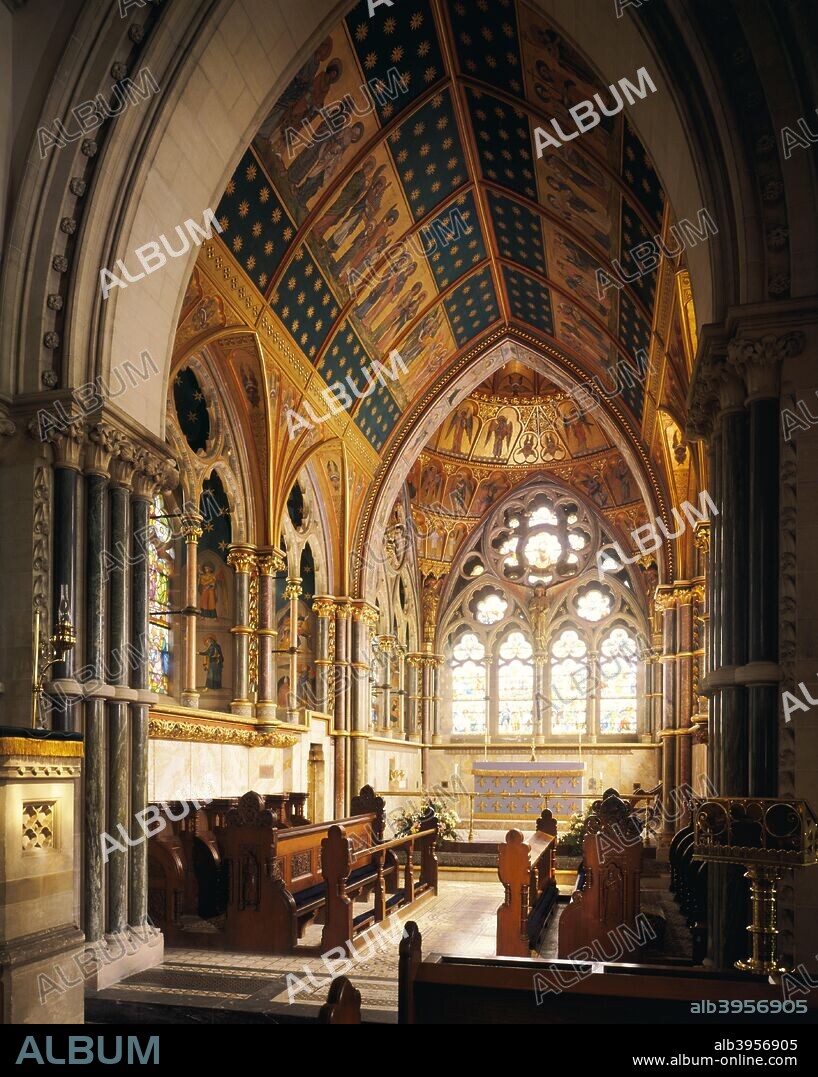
<point>491,609</point>
<point>468,685</point>
<point>516,685</point>
<point>161,567</point>
<point>569,683</point>
<point>617,670</point>
<point>594,604</point>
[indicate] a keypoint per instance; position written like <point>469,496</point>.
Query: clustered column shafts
<point>192,531</point>
<point>119,486</point>
<point>677,606</point>
<point>343,610</point>
<point>736,405</point>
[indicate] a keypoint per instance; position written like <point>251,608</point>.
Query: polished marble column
<point>343,612</point>
<point>242,559</point>
<point>292,593</point>
<point>386,646</point>
<point>269,562</point>
<point>323,607</point>
<point>99,449</point>
<point>192,531</point>
<point>364,621</point>
<point>144,487</point>
<point>119,662</point>
<point>67,447</point>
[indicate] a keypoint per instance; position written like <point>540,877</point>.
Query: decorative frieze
<point>207,733</point>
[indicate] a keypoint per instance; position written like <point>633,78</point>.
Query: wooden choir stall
<point>241,875</point>
<point>527,870</point>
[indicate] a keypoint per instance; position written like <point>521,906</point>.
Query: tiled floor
<point>460,920</point>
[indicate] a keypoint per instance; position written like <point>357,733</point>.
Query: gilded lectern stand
<point>767,836</point>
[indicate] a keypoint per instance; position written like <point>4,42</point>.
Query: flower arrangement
<point>408,821</point>
<point>569,843</point>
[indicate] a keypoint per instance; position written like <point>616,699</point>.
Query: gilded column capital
<point>343,608</point>
<point>269,561</point>
<point>323,606</point>
<point>683,593</point>
<point>242,559</point>
<point>701,536</point>
<point>293,588</point>
<point>387,644</point>
<point>664,600</point>
<point>368,615</point>
<point>192,528</point>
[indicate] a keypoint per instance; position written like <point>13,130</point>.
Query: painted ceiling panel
<point>305,303</point>
<point>394,194</point>
<point>472,307</point>
<point>529,300</point>
<point>518,230</point>
<point>401,35</point>
<point>503,142</point>
<point>428,155</point>
<point>255,225</point>
<point>485,36</point>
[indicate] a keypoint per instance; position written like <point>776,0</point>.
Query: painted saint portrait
<point>213,663</point>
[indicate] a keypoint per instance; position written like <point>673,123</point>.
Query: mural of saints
<point>214,663</point>
<point>211,589</point>
<point>461,425</point>
<point>498,435</point>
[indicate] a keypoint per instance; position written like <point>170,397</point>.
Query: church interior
<point>409,613</point>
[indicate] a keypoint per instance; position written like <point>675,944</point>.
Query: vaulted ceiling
<point>443,162</point>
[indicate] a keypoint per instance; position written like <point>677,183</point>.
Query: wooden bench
<point>527,870</point>
<point>260,866</point>
<point>607,894</point>
<point>345,868</point>
<point>186,871</point>
<point>276,885</point>
<point>474,991</point>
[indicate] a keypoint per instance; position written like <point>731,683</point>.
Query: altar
<point>516,790</point>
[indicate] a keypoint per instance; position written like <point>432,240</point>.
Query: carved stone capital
<point>63,430</point>
<point>192,528</point>
<point>100,448</point>
<point>152,474</point>
<point>124,463</point>
<point>8,427</point>
<point>758,360</point>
